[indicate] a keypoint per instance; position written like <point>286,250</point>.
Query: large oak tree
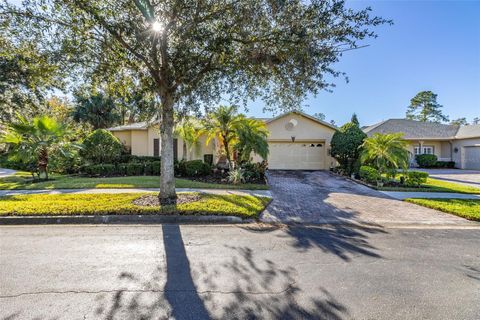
<point>195,53</point>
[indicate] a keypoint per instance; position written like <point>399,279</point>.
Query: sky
<point>433,45</point>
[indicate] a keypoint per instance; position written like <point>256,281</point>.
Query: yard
<point>466,208</point>
<point>122,204</point>
<point>23,180</point>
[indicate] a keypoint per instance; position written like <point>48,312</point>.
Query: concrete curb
<point>121,219</point>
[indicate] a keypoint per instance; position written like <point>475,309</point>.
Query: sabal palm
<point>35,139</point>
<point>385,151</point>
<point>189,131</point>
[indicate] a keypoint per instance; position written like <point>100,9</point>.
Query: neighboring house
<point>296,141</point>
<point>460,144</point>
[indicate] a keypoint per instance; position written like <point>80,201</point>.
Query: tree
<point>460,122</point>
<point>36,140</point>
<point>192,54</point>
<point>345,145</point>
<point>189,131</point>
<point>385,151</point>
<point>97,110</point>
<point>101,146</point>
<point>319,116</point>
<point>476,120</point>
<point>235,132</point>
<point>424,107</point>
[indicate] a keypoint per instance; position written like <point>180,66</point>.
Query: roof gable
<point>324,123</point>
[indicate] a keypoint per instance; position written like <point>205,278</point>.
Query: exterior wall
<point>460,145</point>
<point>440,148</point>
<point>305,130</point>
<point>140,143</point>
<point>125,137</point>
<point>153,133</point>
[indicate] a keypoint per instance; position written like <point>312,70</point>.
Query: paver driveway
<point>466,177</point>
<point>321,197</point>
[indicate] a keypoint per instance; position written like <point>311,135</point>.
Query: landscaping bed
<point>465,208</point>
<point>124,204</point>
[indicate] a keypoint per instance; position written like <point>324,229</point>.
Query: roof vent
<point>291,124</point>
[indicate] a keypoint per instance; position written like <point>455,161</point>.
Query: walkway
<point>430,195</point>
<point>6,172</point>
<point>263,193</point>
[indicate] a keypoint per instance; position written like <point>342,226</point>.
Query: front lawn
<point>434,185</point>
<point>466,208</point>
<point>22,180</point>
<point>107,204</point>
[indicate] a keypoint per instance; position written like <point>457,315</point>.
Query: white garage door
<point>296,156</point>
<point>471,158</point>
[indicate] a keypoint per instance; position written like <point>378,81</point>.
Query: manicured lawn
<point>466,208</point>
<point>434,185</point>
<point>22,180</point>
<point>106,204</point>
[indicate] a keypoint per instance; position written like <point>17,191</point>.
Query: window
<point>156,147</point>
<point>417,150</point>
<point>427,150</point>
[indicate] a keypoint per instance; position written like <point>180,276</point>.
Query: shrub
<point>369,174</point>
<point>122,169</point>
<point>445,164</point>
<point>134,169</point>
<point>101,146</point>
<point>104,170</point>
<point>236,176</point>
<point>415,178</point>
<point>254,171</point>
<point>196,168</point>
<point>152,168</point>
<point>426,160</point>
<point>345,145</point>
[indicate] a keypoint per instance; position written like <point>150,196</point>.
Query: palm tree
<point>189,131</point>
<point>252,138</point>
<point>235,131</point>
<point>35,140</point>
<point>385,151</point>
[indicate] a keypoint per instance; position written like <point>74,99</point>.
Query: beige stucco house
<point>460,144</point>
<point>296,141</point>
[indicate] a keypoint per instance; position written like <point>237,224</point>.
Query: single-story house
<point>296,141</point>
<point>460,144</point>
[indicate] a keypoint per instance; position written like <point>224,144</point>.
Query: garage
<point>471,158</point>
<point>297,155</point>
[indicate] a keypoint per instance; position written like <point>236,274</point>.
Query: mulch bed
<point>152,200</point>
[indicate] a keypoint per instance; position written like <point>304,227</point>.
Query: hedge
<point>426,160</point>
<point>415,178</point>
<point>369,174</point>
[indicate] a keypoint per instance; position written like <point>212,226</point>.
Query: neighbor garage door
<point>296,156</point>
<point>471,158</point>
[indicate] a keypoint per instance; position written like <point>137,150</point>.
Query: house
<point>297,141</point>
<point>460,144</point>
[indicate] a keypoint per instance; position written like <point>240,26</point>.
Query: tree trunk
<point>43,164</point>
<point>227,152</point>
<point>167,178</point>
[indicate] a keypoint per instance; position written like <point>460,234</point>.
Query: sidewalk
<point>430,195</point>
<point>262,193</point>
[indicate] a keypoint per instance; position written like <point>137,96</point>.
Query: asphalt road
<point>238,272</point>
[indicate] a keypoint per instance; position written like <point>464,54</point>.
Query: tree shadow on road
<point>244,285</point>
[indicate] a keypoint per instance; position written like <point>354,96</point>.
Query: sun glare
<point>157,26</point>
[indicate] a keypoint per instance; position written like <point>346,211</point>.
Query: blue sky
<point>433,45</point>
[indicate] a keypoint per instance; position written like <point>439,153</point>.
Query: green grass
<point>434,185</point>
<point>466,208</point>
<point>107,204</point>
<point>22,180</point>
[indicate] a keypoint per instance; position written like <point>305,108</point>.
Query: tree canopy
<point>424,107</point>
<point>193,54</point>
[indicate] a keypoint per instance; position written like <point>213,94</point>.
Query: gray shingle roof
<point>131,126</point>
<point>414,129</point>
<point>472,131</point>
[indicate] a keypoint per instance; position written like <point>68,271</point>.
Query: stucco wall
<point>125,137</point>
<point>460,144</point>
<point>439,147</point>
<point>140,143</point>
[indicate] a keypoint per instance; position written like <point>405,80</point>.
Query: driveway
<point>466,177</point>
<point>321,197</point>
